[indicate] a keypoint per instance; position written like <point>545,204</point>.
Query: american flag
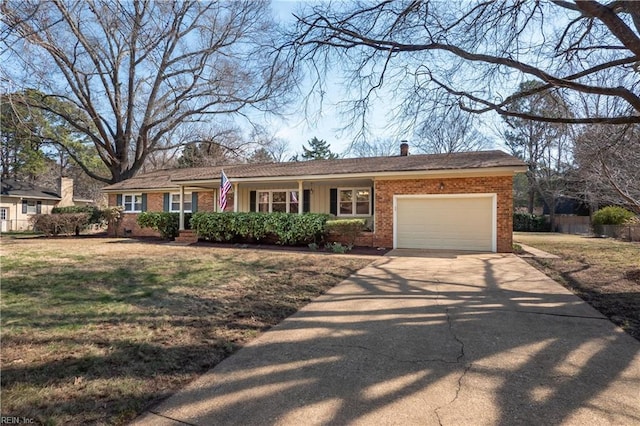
<point>225,187</point>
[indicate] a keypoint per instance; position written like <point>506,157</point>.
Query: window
<point>174,204</point>
<point>354,202</point>
<point>32,207</point>
<point>4,213</point>
<point>277,201</point>
<point>132,202</point>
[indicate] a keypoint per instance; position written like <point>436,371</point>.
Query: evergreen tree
<point>318,150</point>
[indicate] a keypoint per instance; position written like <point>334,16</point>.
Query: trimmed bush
<point>282,228</point>
<point>166,223</point>
<point>59,224</point>
<point>350,228</point>
<point>526,222</point>
<point>612,215</point>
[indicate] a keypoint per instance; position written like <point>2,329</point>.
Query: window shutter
<point>38,207</point>
<point>24,207</point>
<point>194,202</point>
<point>333,201</point>
<point>306,201</point>
<point>252,201</point>
<point>119,200</point>
<point>373,199</point>
<point>165,202</point>
<point>144,202</point>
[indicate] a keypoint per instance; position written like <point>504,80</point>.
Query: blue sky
<point>323,122</point>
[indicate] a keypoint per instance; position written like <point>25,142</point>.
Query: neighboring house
<point>19,201</point>
<point>437,201</point>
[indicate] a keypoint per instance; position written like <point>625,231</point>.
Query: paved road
<point>425,338</point>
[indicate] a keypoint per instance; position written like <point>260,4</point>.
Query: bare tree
<point>452,132</point>
<point>432,54</point>
<point>278,148</point>
<point>381,147</point>
<point>608,158</point>
<point>140,70</point>
<point>545,147</point>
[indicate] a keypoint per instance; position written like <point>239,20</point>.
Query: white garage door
<point>460,222</point>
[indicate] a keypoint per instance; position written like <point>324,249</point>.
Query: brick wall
<point>155,203</point>
<point>205,201</point>
<point>386,189</point>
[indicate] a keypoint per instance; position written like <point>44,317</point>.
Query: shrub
<point>338,247</point>
<point>282,228</point>
<point>350,228</point>
<point>95,214</point>
<point>166,223</point>
<point>113,217</point>
<point>612,215</point>
<point>59,224</point>
<point>527,222</point>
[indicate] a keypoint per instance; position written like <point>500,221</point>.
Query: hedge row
<point>60,224</point>
<point>350,228</point>
<point>526,222</point>
<point>95,215</point>
<point>280,228</point>
<point>166,223</point>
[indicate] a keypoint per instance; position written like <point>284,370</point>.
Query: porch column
<point>300,197</point>
<point>181,228</point>
<point>236,196</point>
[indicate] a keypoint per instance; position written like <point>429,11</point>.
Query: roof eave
<point>484,171</point>
<point>155,189</point>
<point>32,197</point>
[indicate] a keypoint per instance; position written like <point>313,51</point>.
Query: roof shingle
<point>345,166</point>
<point>14,188</point>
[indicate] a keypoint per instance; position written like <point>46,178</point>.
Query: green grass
<point>97,330</point>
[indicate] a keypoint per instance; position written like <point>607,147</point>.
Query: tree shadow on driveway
<point>468,339</point>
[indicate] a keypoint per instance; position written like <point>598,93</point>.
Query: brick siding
<point>500,185</point>
<point>383,216</point>
<point>155,203</point>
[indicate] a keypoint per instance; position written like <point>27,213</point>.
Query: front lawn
<point>97,330</point>
<point>603,271</point>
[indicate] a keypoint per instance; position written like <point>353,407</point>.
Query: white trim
<point>133,203</point>
<point>353,201</point>
<point>188,196</point>
<point>494,213</point>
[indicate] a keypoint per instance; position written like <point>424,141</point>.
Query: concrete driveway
<point>421,338</point>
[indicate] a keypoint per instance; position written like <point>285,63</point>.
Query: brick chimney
<point>404,148</point>
<point>66,192</point>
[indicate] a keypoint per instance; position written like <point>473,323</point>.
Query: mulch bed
<point>361,251</point>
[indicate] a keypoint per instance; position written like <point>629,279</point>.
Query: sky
<point>298,128</point>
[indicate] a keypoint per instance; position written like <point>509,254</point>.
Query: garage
<point>445,222</point>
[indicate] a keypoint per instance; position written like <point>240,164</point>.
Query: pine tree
<point>318,150</point>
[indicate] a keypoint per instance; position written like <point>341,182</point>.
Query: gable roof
<point>14,188</point>
<point>308,169</point>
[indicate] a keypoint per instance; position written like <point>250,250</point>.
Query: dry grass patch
<point>603,271</point>
<point>96,330</point>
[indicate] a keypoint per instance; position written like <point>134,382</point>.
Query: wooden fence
<point>623,232</point>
